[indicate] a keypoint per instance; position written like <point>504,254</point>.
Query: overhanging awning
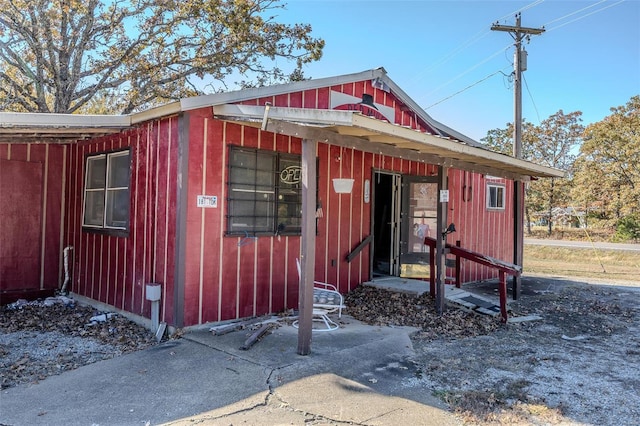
<point>354,130</point>
<point>18,127</point>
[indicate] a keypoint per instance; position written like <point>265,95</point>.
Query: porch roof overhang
<point>16,127</point>
<point>353,130</point>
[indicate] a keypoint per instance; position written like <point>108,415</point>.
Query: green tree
<point>557,138</point>
<point>551,144</point>
<point>501,140</point>
<point>58,55</point>
<point>608,168</point>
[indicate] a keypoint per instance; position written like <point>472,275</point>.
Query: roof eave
<point>349,128</point>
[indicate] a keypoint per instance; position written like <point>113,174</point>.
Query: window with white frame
<point>495,196</point>
<point>106,191</point>
<point>265,192</point>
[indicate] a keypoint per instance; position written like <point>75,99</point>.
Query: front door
<point>419,220</point>
<point>386,224</point>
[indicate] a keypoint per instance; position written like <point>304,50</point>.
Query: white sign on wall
<point>444,195</point>
<point>208,201</point>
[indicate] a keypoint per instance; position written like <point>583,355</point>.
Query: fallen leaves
<point>381,307</point>
<point>39,339</point>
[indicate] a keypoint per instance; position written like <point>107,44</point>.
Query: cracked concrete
<point>325,399</point>
<point>359,375</point>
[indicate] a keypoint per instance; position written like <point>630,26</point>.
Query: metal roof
<point>354,130</point>
<point>18,127</point>
<point>378,77</point>
<point>345,128</point>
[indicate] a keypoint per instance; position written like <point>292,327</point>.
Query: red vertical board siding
<point>295,100</point>
<point>212,185</point>
<point>367,223</point>
<point>19,152</point>
<point>346,220</point>
<point>52,158</point>
<point>355,235</point>
<point>322,98</point>
<point>262,277</point>
<point>277,276</point>
<point>246,250</point>
<point>334,212</point>
<point>246,272</point>
<point>138,184</point>
<point>222,279</point>
<point>159,204</point>
<point>310,99</point>
<point>111,269</point>
<point>170,141</point>
<point>194,229</point>
<point>322,222</point>
<point>281,100</point>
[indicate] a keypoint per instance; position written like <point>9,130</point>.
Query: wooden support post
<point>308,247</point>
<point>441,270</point>
<point>518,233</point>
<point>458,278</point>
<point>432,272</point>
<point>503,296</point>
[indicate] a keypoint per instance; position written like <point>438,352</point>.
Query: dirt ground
<point>578,364</point>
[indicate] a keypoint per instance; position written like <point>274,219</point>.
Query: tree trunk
<point>551,206</point>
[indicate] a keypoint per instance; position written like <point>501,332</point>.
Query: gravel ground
<point>44,338</point>
<point>578,365</point>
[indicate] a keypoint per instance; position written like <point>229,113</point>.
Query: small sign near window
<point>208,201</point>
<point>444,195</point>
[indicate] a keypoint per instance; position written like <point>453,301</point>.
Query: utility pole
<point>518,33</point>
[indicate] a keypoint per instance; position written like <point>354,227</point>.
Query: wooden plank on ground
<point>255,337</point>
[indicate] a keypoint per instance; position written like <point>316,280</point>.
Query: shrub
<point>628,228</point>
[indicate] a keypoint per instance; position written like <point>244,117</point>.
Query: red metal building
<point>204,197</point>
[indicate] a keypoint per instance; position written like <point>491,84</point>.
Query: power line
<point>456,51</point>
<point>472,40</point>
<point>468,70</point>
<point>531,96</point>
<point>522,9</point>
<point>584,16</point>
<point>573,13</point>
<point>466,88</point>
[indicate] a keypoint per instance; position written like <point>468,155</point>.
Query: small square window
<point>106,192</point>
<point>495,197</point>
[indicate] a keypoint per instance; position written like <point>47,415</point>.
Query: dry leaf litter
<point>47,337</point>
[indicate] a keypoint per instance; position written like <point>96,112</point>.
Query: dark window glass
<point>264,192</point>
<point>495,196</point>
<point>106,194</point>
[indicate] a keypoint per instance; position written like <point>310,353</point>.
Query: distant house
<point>205,197</point>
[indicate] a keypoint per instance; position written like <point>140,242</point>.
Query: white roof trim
<point>350,128</point>
<point>280,89</point>
<point>31,120</point>
<point>17,127</point>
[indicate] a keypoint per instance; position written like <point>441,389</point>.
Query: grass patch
<point>582,262</point>
<point>572,234</point>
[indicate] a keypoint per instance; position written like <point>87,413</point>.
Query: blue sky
<point>587,60</point>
